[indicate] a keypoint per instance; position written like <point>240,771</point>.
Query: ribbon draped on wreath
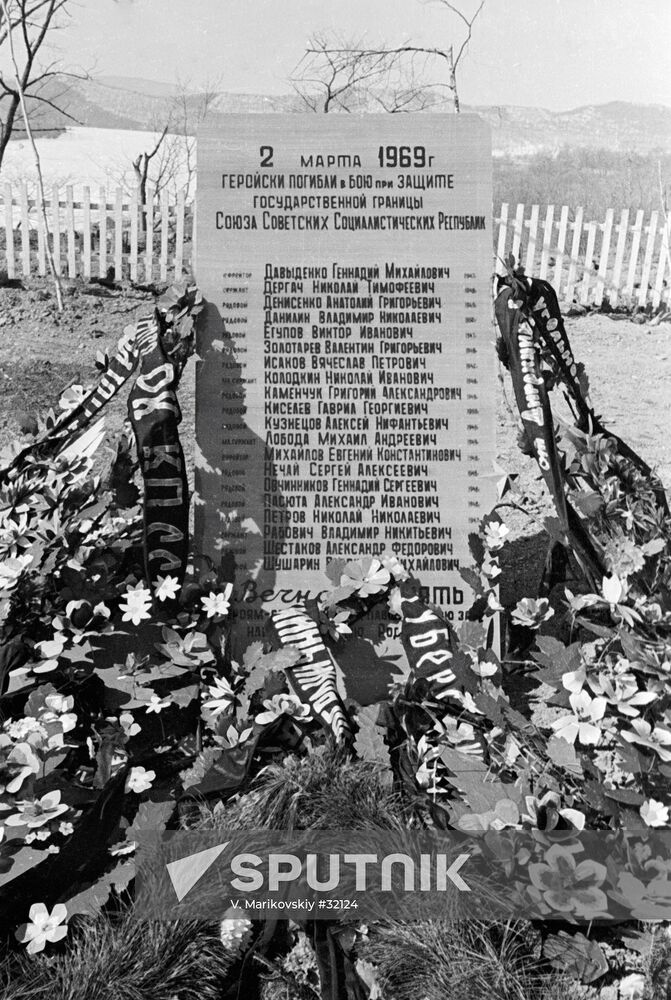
<point>155,416</point>
<point>534,346</point>
<point>314,678</point>
<point>158,346</point>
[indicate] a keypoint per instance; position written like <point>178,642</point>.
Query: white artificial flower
<point>166,588</point>
<point>282,704</point>
<point>135,604</point>
<point>574,680</point>
<point>657,739</point>
<point>483,668</point>
<point>221,696</point>
<point>395,602</point>
<point>28,729</point>
<point>217,604</point>
<point>129,725</point>
<point>34,813</point>
<point>157,704</point>
<point>495,534</point>
<point>43,927</point>
<point>139,780</point>
<point>366,578</point>
<point>613,589</point>
<point>235,931</point>
<point>587,711</point>
<point>393,564</point>
<point>654,813</point>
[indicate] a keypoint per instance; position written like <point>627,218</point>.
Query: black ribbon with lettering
<point>521,350</point>
<point>429,643</point>
<point>313,678</point>
<point>155,416</point>
<point>432,649</point>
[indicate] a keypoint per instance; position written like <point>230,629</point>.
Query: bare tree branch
<point>336,74</point>
<point>40,180</point>
<point>469,25</point>
<point>344,76</point>
<point>56,107</point>
<point>28,23</point>
<point>170,164</point>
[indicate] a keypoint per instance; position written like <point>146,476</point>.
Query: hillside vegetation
<point>596,179</point>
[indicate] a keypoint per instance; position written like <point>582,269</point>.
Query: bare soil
<point>43,351</point>
<point>629,365</point>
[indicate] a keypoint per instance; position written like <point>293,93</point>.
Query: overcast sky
<point>557,54</point>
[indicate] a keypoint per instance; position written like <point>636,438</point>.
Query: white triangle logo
<point>185,873</point>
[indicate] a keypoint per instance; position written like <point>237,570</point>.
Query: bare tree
<point>338,75</point>
<point>141,169</point>
<point>189,109</point>
<point>29,23</point>
<point>453,61</point>
<point>26,119</point>
<point>171,162</point>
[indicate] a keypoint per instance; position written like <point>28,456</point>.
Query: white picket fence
<point>91,232</point>
<point>624,258</point>
<point>626,261</point>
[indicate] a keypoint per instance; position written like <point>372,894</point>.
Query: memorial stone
<point>345,389</point>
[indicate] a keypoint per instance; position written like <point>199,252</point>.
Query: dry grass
<point>659,966</point>
<point>324,790</point>
<point>441,960</point>
<point>125,959</point>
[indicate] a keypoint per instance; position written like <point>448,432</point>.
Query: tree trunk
<point>141,168</point>
<point>8,126</point>
<point>453,81</point>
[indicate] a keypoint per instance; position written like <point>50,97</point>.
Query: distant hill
<point>150,88</point>
<point>617,126</point>
<point>131,103</point>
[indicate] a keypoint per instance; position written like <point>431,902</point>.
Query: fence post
<point>635,246</point>
<point>623,230</point>
<point>25,231</point>
<point>134,207</point>
<point>86,224</point>
<point>179,237</point>
<point>149,248</point>
<point>531,242</point>
<point>661,265</point>
<point>561,245</point>
<point>575,250</point>
<point>165,228</point>
<point>548,230</point>
<point>102,224</point>
<point>603,259</point>
<point>56,228</point>
<point>517,233</point>
<point>589,263</point>
<point>194,237</point>
<point>118,235</point>
<point>647,260</point>
<point>9,231</point>
<point>70,222</point>
<point>41,236</point>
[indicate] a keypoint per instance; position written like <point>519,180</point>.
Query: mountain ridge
<point>137,104</point>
